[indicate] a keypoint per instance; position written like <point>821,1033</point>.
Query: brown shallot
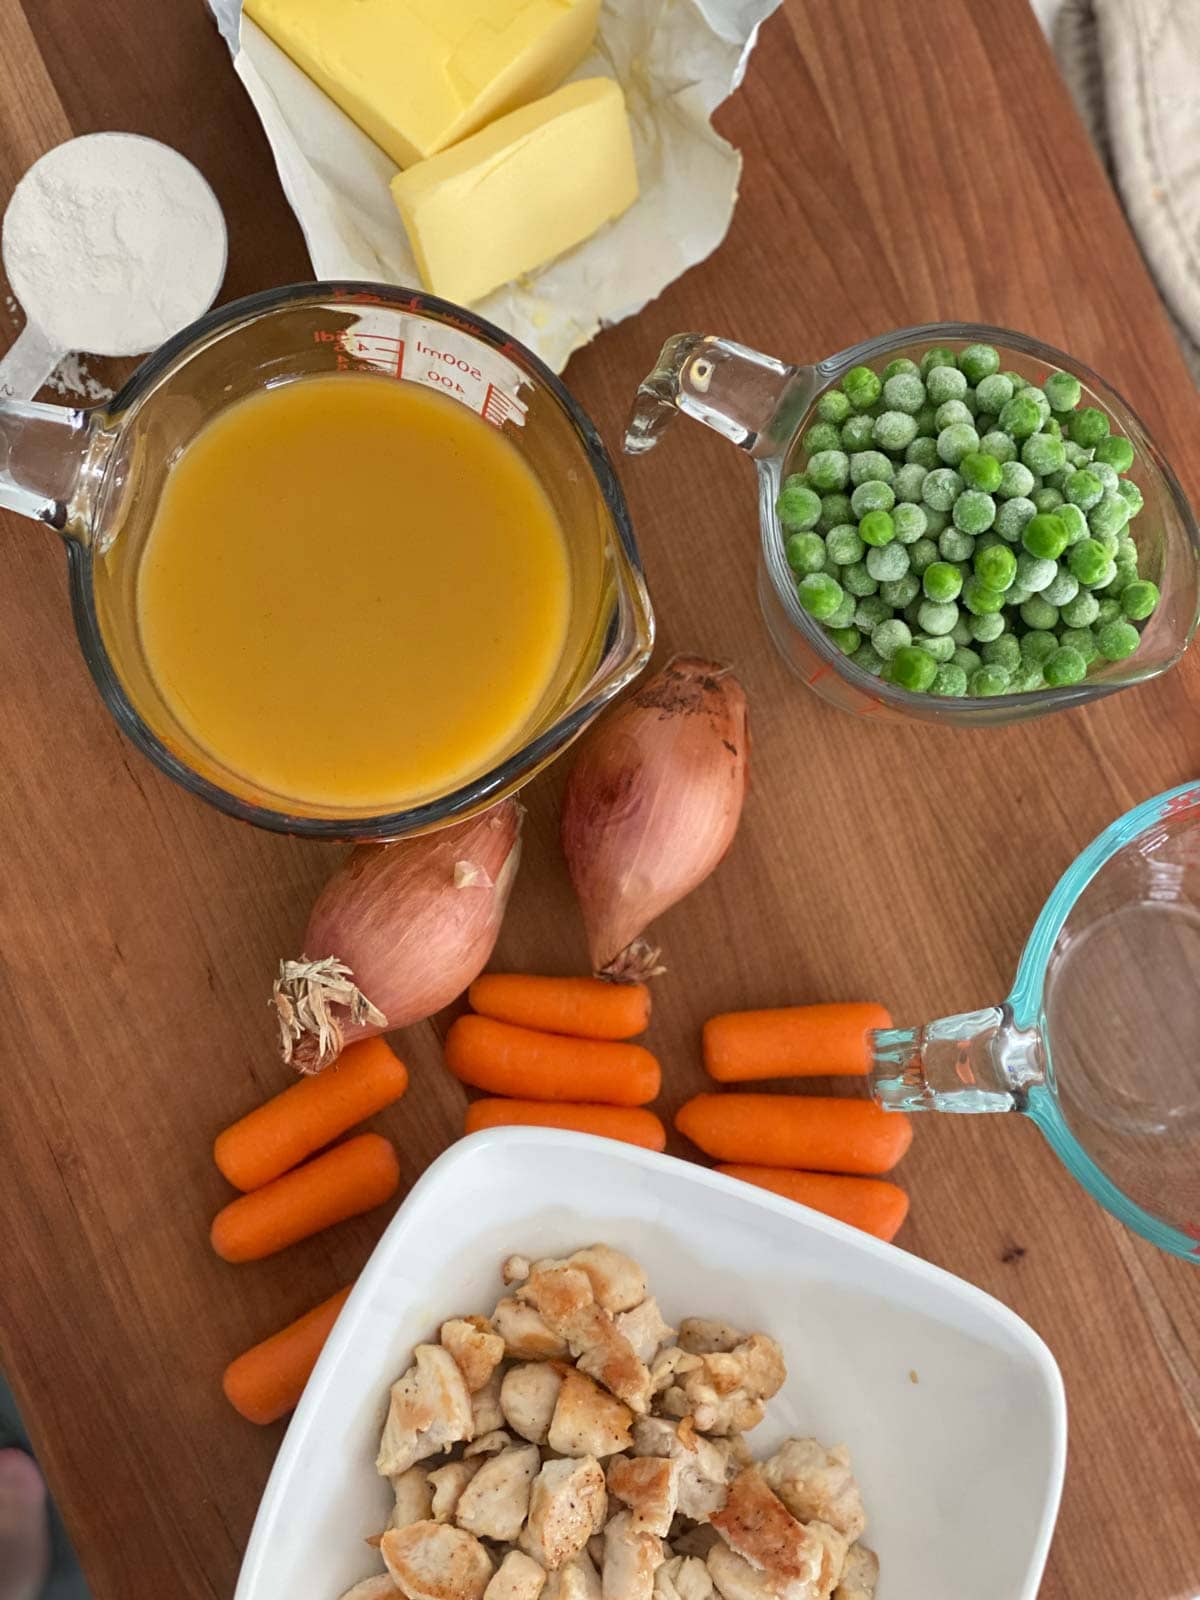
<point>398,931</point>
<point>652,805</point>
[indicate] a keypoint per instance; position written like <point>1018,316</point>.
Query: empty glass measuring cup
<point>96,476</point>
<point>1098,1041</point>
<point>764,406</point>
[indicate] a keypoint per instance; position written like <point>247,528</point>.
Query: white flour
<point>112,243</point>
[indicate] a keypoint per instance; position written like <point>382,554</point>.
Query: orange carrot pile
<point>807,1131</point>
<point>310,1114</point>
<point>629,1124</point>
<point>345,1181</point>
<point>266,1382</point>
<point>871,1204</point>
<point>527,1064</point>
<point>792,1042</point>
<point>586,1008</point>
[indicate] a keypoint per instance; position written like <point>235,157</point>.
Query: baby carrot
<point>792,1042</point>
<point>349,1179</point>
<point>266,1381</point>
<point>310,1113</point>
<point>872,1204</point>
<point>796,1130</point>
<point>547,1066</point>
<point>626,1123</point>
<point>587,1008</point>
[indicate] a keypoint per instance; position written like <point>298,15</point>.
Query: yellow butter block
<point>519,192</point>
<point>418,75</point>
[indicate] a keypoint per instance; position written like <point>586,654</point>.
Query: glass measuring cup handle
<point>979,1061</point>
<point>44,451</point>
<point>751,399</point>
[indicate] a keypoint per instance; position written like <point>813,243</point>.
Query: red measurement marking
<point>499,407</point>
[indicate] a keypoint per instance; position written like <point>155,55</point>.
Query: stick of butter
<point>519,192</point>
<point>418,75</point>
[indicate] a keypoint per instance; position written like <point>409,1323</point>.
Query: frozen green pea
<point>829,470</point>
<point>994,391</point>
<point>900,364</point>
<point>1126,550</point>
<point>1108,578</point>
<point>1016,481</point>
<point>939,645</point>
<point>961,631</point>
<point>1017,595</point>
<point>820,595</point>
<point>1109,516</point>
<point>843,617</point>
<point>868,658</point>
<point>1076,455</point>
<point>1084,489</point>
<point>1139,598</point>
<point>985,422</point>
<point>1002,652</point>
<point>822,436</point>
<point>843,545</point>
<point>798,507</point>
<point>1027,678</point>
<point>1064,667</point>
<point>805,552</point>
<point>1107,476</point>
<point>1116,452</point>
<point>974,512</point>
<point>996,567</point>
<point>911,668</point>
<point>895,431</point>
<point>982,472</point>
<point>997,443</point>
<point>890,636</point>
<point>1117,640</point>
<point>1061,589</point>
<point>835,510</point>
<point>1074,521</point>
<point>1042,453</point>
<point>862,387</point>
<point>955,545</point>
<point>870,466</point>
<point>950,412</point>
<point>1037,645</point>
<point>908,480</point>
<point>1020,416</point>
<point>870,612</point>
<point>987,540</point>
<point>1087,561</point>
<point>921,555</point>
<point>1034,572</point>
<point>902,591</point>
<point>936,522</point>
<point>833,406</point>
<point>1047,499</point>
<point>1062,390</point>
<point>1052,429</point>
<point>857,433</point>
<point>857,579</point>
<point>950,681</point>
<point>1080,612</point>
<point>1131,494</point>
<point>904,391</point>
<point>1039,613</point>
<point>978,361</point>
<point>877,528</point>
<point>989,626</point>
<point>926,421</point>
<point>938,355</point>
<point>942,581</point>
<point>941,488</point>
<point>910,523</point>
<point>945,383</point>
<point>966,658</point>
<point>936,616</point>
<point>1044,536</point>
<point>872,496</point>
<point>957,441</point>
<point>1109,611</point>
<point>1088,427</point>
<point>1038,396</point>
<point>979,599</point>
<point>1081,639</point>
<point>912,612</point>
<point>847,639</point>
<point>1057,480</point>
<point>922,452</point>
<point>972,405</point>
<point>986,681</point>
<point>887,562</point>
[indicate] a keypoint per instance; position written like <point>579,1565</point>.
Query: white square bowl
<point>952,1407</point>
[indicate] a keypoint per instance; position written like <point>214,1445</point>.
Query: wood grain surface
<point>903,163</point>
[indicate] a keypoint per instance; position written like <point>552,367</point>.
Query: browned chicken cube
<point>434,1561</point>
<point>429,1409</point>
<point>518,1577</point>
<point>496,1502</point>
<point>816,1483</point>
<point>567,1505</point>
<point>649,1486</point>
<point>528,1396</point>
<point>588,1421</point>
<point>477,1350</point>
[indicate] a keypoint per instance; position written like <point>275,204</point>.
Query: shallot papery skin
<point>398,932</point>
<point>652,804</point>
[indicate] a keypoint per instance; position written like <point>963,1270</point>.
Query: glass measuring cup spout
<point>1098,1042</point>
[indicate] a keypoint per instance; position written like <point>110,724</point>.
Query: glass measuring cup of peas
<point>958,523</point>
<point>1096,1043</point>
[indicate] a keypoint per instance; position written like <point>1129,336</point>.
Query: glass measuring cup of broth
<point>764,406</point>
<point>345,560</point>
<point>1097,1043</point>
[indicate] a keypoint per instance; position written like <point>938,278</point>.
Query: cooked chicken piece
<point>649,1486</point>
<point>487,1444</point>
<point>617,1281</point>
<point>564,1299</point>
<point>429,1410</point>
<point>448,1483</point>
<point>815,1483</point>
<point>528,1396</point>
<point>702,1337</point>
<point>755,1524</point>
<point>568,1503</point>
<point>728,1392</point>
<point>705,1469</point>
<point>485,1407</point>
<point>669,1365</point>
<point>515,1269</point>
<point>735,1579</point>
<point>496,1503</point>
<point>693,1541</point>
<point>526,1337</point>
<point>631,1558</point>
<point>435,1561</point>
<point>587,1420</point>
<point>414,1497</point>
<point>378,1588</point>
<point>475,1347</point>
<point>517,1578</point>
<point>644,1328</point>
<point>576,1579</point>
<point>859,1575</point>
<point>683,1578</point>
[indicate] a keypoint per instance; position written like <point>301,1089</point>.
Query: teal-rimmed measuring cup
<point>1099,1041</point>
